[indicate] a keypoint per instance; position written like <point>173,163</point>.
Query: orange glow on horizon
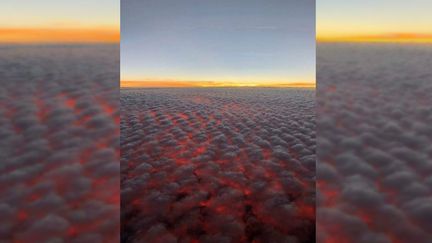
<point>203,84</point>
<point>47,35</point>
<point>378,38</point>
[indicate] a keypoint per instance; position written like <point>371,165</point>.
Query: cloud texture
<point>59,151</point>
<point>218,165</point>
<point>374,168</point>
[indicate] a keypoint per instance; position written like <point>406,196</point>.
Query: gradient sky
<point>54,18</point>
<point>241,41</point>
<point>339,18</point>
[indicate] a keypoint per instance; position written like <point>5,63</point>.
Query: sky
<point>218,43</point>
<point>59,21</point>
<point>374,20</point>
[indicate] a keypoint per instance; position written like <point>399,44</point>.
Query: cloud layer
<point>218,165</point>
<point>374,168</point>
<point>59,146</point>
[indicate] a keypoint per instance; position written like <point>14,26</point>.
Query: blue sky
<point>224,40</point>
<point>59,13</point>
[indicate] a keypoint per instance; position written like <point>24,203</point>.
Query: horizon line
<point>209,84</point>
<point>59,35</point>
<point>377,38</point>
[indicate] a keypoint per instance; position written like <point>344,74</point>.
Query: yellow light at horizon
<point>374,21</point>
<point>249,80</point>
<point>203,84</point>
<point>379,38</point>
<point>70,35</point>
<point>57,21</point>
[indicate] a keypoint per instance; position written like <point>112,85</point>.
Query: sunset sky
<point>24,21</point>
<point>374,20</point>
<point>218,43</point>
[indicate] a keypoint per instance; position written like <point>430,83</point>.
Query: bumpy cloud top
<point>218,165</point>
<point>374,168</point>
<point>59,149</point>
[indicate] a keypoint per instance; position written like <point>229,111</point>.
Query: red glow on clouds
<point>22,215</point>
<point>203,177</point>
<point>62,184</point>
